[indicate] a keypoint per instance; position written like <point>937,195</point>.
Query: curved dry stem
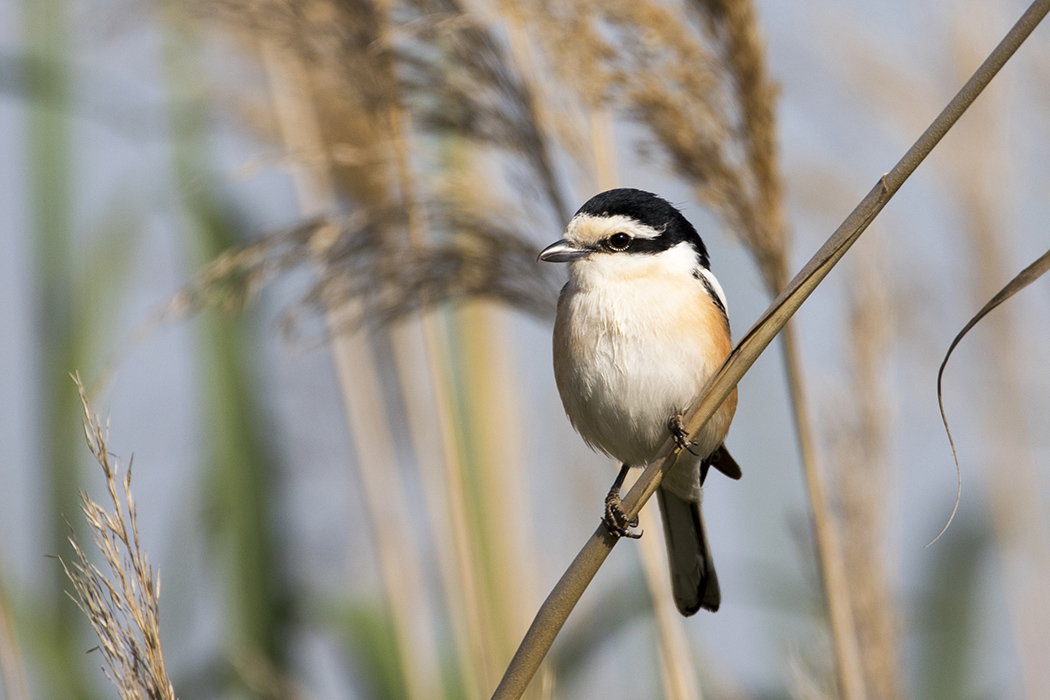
<point>567,592</point>
<point>1024,278</point>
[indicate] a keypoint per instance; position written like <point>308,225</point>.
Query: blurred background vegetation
<point>290,247</point>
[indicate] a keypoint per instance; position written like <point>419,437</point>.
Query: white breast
<point>632,347</point>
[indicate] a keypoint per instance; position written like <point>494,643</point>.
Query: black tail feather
<point>693,578</point>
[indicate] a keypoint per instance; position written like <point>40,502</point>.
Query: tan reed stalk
<point>559,604</point>
<point>420,357</point>
<point>501,553</point>
<point>423,373</point>
<point>505,523</point>
<point>503,526</point>
<point>768,243</point>
<point>399,555</point>
<point>862,473</point>
<point>980,176</point>
<point>122,603</point>
<point>357,70</point>
<point>493,484</point>
<point>827,539</point>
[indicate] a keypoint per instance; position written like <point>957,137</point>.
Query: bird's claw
<point>616,519</point>
<point>681,437</point>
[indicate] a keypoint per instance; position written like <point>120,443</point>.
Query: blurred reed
<point>123,601</point>
<point>380,265</point>
<point>974,165</point>
<point>48,88</point>
<point>760,225</point>
<point>421,354</point>
<point>858,426</point>
<point>239,475</point>
<point>80,270</point>
<point>399,554</point>
<point>859,440</point>
<point>674,652</point>
<point>476,97</point>
<point>950,639</point>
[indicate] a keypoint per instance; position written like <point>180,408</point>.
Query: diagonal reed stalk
<point>767,240</point>
<point>567,592</point>
<point>729,157</point>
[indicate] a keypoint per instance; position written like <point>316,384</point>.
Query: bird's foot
<point>681,437</point>
<point>616,519</point>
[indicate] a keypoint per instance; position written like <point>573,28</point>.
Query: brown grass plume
<point>123,601</point>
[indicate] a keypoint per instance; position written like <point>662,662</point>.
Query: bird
<point>641,327</point>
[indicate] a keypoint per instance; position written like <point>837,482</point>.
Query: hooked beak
<point>563,251</point>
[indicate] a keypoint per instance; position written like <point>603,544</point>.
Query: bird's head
<point>625,233</point>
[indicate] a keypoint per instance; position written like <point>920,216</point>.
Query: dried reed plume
<point>699,84</point>
<point>700,87</point>
<point>450,70</point>
<point>393,278</point>
<point>123,603</point>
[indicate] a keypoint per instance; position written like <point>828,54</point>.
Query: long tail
<point>693,578</point>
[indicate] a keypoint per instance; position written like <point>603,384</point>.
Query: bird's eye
<point>619,241</point>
